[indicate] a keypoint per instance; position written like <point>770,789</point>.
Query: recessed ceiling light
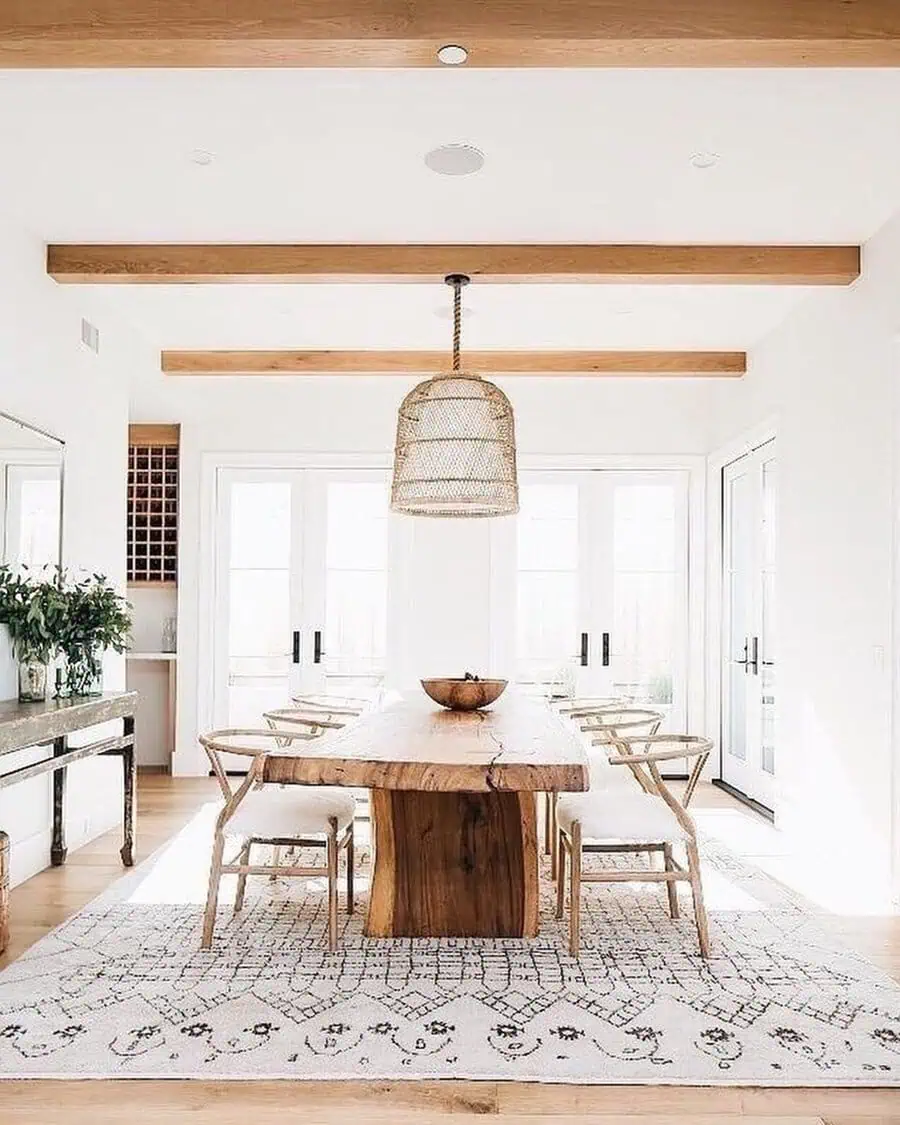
<point>451,54</point>
<point>704,159</point>
<point>455,160</point>
<point>201,156</point>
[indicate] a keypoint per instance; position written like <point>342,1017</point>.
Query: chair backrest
<point>303,722</point>
<point>336,704</point>
<point>643,755</point>
<point>245,743</point>
<point>336,710</point>
<point>627,721</point>
<point>577,708</point>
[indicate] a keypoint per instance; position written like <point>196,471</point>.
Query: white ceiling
<point>806,156</point>
<point>336,155</point>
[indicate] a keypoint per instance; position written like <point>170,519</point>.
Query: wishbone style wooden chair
<point>290,816</point>
<point>607,722</point>
<point>647,820</point>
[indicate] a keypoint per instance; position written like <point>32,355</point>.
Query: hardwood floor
<point>164,806</point>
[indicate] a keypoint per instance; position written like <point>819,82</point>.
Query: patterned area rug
<point>123,991</point>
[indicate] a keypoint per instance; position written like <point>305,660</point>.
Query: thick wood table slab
<point>453,809</point>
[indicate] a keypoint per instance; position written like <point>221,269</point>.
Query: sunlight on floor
<point>180,870</point>
<point>825,883</point>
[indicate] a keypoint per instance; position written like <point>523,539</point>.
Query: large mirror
<point>32,465</point>
<point>31,494</point>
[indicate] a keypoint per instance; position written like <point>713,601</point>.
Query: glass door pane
<point>738,558</point>
<point>549,613</point>
<point>261,589</point>
<point>767,641</point>
<point>649,590</point>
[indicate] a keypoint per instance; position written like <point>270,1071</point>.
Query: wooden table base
<point>454,864</point>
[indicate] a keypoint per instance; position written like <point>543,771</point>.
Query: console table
<point>25,725</point>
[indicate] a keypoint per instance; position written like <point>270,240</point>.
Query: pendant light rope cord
<point>457,320</point>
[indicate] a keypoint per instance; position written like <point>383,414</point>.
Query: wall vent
<point>90,335</point>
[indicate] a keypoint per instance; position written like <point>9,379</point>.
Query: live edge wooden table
<point>453,809</point>
<point>26,725</point>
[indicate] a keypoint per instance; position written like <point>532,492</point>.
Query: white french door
<point>591,587</point>
<point>748,641</point>
<point>301,586</point>
<point>319,588</point>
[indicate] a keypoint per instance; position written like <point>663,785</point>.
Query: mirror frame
<point>4,415</point>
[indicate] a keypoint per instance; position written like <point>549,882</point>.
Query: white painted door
<point>348,533</point>
<point>748,640</point>
<point>642,526</point>
<point>590,587</point>
<point>543,589</point>
<point>259,593</point>
<point>301,587</point>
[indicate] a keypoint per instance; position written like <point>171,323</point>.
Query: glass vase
<point>32,681</point>
<point>84,674</point>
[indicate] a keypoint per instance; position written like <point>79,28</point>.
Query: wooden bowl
<point>464,695</point>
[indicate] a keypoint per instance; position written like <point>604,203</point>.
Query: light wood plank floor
<point>165,805</point>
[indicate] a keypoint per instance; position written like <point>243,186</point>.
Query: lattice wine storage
<point>153,504</point>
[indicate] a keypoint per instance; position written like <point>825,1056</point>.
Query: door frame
<point>746,443</point>
<point>198,595</point>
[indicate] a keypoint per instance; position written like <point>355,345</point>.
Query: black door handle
<point>318,652</point>
<point>605,650</point>
<point>296,646</point>
<point>753,662</point>
<point>584,650</point>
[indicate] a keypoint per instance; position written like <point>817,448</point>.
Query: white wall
<point>447,625</point>
<point>359,414</point>
<point>48,378</point>
<point>828,377</point>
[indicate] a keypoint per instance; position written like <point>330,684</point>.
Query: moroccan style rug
<point>122,990</point>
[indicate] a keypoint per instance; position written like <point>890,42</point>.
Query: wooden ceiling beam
<point>583,363</point>
<point>407,33</point>
<point>503,264</point>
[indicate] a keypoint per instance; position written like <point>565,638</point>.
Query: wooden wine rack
<point>152,543</point>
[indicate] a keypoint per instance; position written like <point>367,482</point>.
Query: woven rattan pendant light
<point>456,442</point>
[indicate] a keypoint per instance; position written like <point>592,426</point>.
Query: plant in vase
<point>32,609</point>
<point>96,618</point>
